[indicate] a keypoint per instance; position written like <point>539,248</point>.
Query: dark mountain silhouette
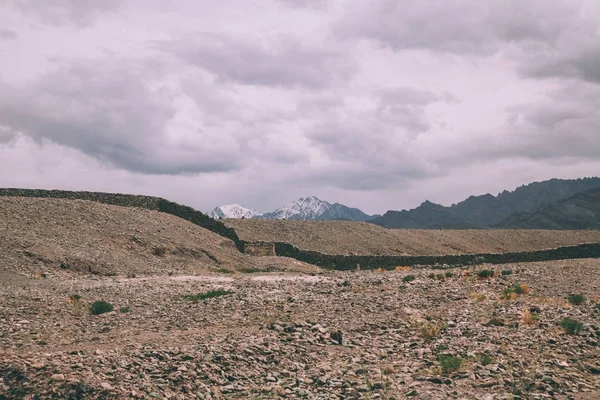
<point>581,211</point>
<point>487,211</point>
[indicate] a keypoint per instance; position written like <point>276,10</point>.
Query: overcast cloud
<point>377,105</point>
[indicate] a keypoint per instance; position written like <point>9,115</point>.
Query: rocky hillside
<point>487,210</point>
<point>344,237</point>
<point>581,211</point>
<point>49,236</point>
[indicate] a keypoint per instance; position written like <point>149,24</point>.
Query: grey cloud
<point>108,111</point>
<point>582,65</point>
<point>286,61</point>
<point>6,135</point>
<point>59,12</point>
<point>8,34</point>
<point>563,127</point>
<point>305,3</point>
<point>465,27</point>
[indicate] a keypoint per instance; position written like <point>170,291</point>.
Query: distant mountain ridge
<point>305,208</point>
<point>487,211</point>
<point>581,211</point>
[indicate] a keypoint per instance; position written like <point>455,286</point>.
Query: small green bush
<point>485,359</point>
<point>125,309</point>
<point>101,307</point>
<point>506,272</point>
<point>576,299</point>
<point>449,274</point>
<point>75,297</point>
<point>485,273</point>
<point>208,295</point>
<point>440,277</point>
<point>571,326</point>
<point>597,307</point>
<point>408,278</point>
<point>449,363</point>
<point>508,294</point>
<point>431,276</point>
<point>521,288</point>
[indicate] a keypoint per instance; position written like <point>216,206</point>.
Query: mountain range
<point>505,210</point>
<point>551,204</point>
<point>305,208</point>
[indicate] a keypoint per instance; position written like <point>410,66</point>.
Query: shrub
<point>506,272</point>
<point>571,326</point>
<point>431,276</point>
<point>485,359</point>
<point>576,299</point>
<point>440,277</point>
<point>208,295</point>
<point>125,309</point>
<point>449,274</point>
<point>485,273</point>
<point>75,297</point>
<point>521,288</point>
<point>408,278</point>
<point>478,297</point>
<point>449,363</point>
<point>528,318</point>
<point>509,294</point>
<point>429,331</point>
<point>131,275</point>
<point>101,307</point>
<point>597,307</point>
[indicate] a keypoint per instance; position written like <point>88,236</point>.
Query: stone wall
<point>342,262</point>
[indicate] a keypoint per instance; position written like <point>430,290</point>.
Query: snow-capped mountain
<point>302,209</point>
<point>305,208</point>
<point>232,211</point>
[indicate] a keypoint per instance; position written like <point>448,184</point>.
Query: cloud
<point>7,34</point>
<point>581,63</point>
<point>60,12</point>
<point>459,27</point>
<point>559,128</point>
<point>380,100</point>
<point>377,146</point>
<point>284,60</point>
<point>117,112</point>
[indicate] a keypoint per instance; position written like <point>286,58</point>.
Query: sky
<point>374,104</point>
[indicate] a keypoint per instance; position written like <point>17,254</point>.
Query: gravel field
<point>334,335</point>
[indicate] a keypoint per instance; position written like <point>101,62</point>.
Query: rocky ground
<point>40,236</point>
<point>344,237</point>
<point>329,335</point>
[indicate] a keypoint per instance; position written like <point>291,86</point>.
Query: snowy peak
<point>302,209</point>
<point>305,208</point>
<point>232,211</point>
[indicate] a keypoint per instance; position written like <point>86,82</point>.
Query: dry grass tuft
<point>478,297</point>
<point>527,318</point>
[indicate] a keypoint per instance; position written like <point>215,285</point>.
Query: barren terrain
<point>337,335</point>
<point>342,237</point>
<point>40,236</point>
<point>194,319</point>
